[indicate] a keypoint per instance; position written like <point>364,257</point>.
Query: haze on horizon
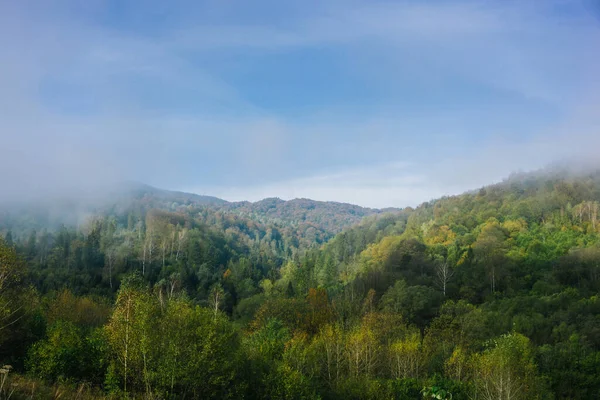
<point>376,103</point>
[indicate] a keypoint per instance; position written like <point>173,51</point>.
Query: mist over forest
<point>300,200</point>
<point>169,294</point>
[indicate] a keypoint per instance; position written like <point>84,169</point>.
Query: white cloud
<point>402,184</point>
<point>508,46</point>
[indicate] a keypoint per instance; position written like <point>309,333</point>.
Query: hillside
<point>479,294</point>
<point>321,219</point>
<point>101,236</point>
<point>329,217</point>
<point>517,258</point>
<point>549,200</point>
<point>76,207</point>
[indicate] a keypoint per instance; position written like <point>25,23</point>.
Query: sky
<point>376,103</point>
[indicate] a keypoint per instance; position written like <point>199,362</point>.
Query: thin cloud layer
<point>375,103</point>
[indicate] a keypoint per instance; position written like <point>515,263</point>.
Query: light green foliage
<point>269,341</point>
<point>130,332</point>
<point>507,370</point>
<point>171,347</point>
<point>407,357</point>
<point>247,301</point>
<point>68,354</point>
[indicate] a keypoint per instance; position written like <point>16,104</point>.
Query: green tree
<point>418,304</point>
<point>490,249</point>
<point>13,292</point>
<point>68,355</point>
<point>129,331</point>
<point>507,370</point>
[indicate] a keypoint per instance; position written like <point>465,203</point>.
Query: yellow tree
<point>362,351</point>
<point>406,357</point>
<point>457,366</point>
<point>329,345</point>
<point>506,371</point>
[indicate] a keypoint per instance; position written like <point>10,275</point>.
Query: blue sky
<point>379,103</point>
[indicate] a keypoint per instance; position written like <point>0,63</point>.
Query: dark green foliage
<point>69,354</point>
<point>172,296</point>
<point>418,304</point>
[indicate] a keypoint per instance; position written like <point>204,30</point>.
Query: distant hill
<point>136,190</point>
<point>331,217</point>
<point>75,208</point>
<point>305,222</point>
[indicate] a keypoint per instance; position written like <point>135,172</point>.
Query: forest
<point>492,294</point>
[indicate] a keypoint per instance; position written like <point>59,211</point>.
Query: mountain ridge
<point>480,279</point>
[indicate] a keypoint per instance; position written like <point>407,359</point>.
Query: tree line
<point>492,294</point>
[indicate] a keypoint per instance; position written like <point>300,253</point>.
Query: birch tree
<point>130,332</point>
<point>506,370</point>
<point>443,275</point>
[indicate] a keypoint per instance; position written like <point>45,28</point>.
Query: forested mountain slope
<point>52,211</point>
<point>102,236</point>
<point>534,199</point>
<point>492,294</point>
<point>330,216</point>
<point>316,220</point>
<point>521,257</point>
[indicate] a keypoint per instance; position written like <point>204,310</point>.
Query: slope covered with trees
<point>492,294</point>
<point>300,223</point>
<point>182,239</point>
<point>330,217</point>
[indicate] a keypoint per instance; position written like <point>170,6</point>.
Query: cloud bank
<point>375,103</point>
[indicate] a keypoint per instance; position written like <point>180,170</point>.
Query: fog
<point>377,104</point>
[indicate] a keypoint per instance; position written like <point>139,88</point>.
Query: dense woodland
<point>492,294</point>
